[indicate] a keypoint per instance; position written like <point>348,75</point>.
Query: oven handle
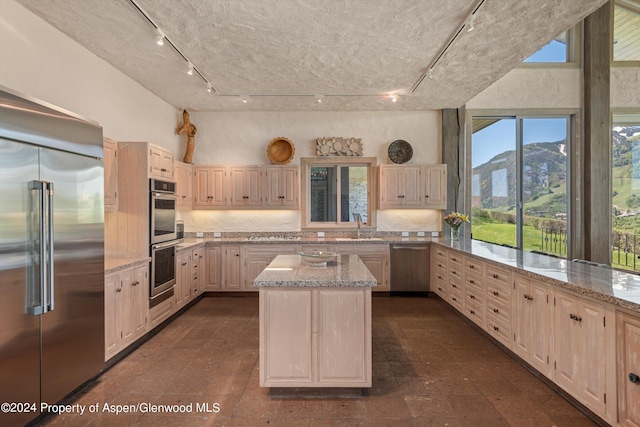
<point>164,245</point>
<point>165,196</point>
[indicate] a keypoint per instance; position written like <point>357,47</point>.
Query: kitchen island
<point>315,323</point>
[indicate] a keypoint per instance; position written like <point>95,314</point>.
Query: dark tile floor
<point>430,368</point>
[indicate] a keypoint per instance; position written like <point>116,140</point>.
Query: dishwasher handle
<point>410,248</point>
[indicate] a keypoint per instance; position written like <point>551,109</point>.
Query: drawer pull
<point>439,277</point>
<point>472,281</point>
<point>495,276</point>
<point>439,288</point>
<point>495,328</point>
<point>454,259</point>
<point>472,312</point>
<point>453,286</point>
<point>528,297</point>
<point>575,317</point>
<point>471,266</point>
<point>495,293</point>
<point>495,310</point>
<point>472,296</point>
<point>634,378</point>
<point>454,298</point>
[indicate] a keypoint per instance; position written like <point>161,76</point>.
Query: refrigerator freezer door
<point>73,332</point>
<point>19,330</point>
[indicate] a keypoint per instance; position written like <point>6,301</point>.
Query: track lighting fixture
<point>190,71</point>
<point>161,37</point>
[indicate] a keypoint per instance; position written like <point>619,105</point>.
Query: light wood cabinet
<point>474,307</point>
<point>282,184</point>
<point>318,337</point>
<point>580,357</point>
<point>160,163</point>
<point>110,175</point>
<point>376,258</point>
<point>256,258</point>
<point>184,185</point>
<point>413,187</point>
<point>230,260</point>
<point>213,268</point>
<point>628,368</point>
<point>434,186</point>
<point>209,187</point>
<point>245,184</point>
<point>197,272</point>
<point>126,301</point>
<point>439,272</point>
<point>498,303</point>
<point>532,323</point>
<point>182,290</point>
<point>400,186</point>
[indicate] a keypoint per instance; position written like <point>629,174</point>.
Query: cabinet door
<point>628,346</point>
<point>183,279</point>
<point>140,296</point>
<point>281,186</point>
<point>110,175</point>
<point>435,187</point>
<point>245,183</point>
<point>391,187</point>
<point>112,292</point>
<point>212,269</point>
<point>209,187</point>
<point>592,379</point>
<point>344,336</point>
<point>286,323</point>
<point>412,186</point>
<point>197,272</point>
<point>541,327</point>
<point>566,342</point>
<point>126,306</point>
<point>166,167</point>
<point>254,265</point>
<point>184,184</point>
<point>231,268</point>
<point>155,162</point>
<point>378,266</point>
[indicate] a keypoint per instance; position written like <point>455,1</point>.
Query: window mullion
<point>519,183</point>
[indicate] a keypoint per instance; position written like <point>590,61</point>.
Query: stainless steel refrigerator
<point>51,255</point>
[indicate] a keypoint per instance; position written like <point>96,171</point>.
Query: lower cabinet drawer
<point>499,329</point>
<point>499,310</point>
<point>473,309</point>
<point>455,297</point>
<point>499,294</point>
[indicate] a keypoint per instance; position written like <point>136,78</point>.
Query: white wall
<point>40,61</point>
<point>242,138</point>
<point>529,88</point>
<point>625,87</point>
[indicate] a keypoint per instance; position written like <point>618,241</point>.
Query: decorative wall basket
<point>280,150</point>
<point>338,146</point>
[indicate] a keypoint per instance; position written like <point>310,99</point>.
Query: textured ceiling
<point>282,53</point>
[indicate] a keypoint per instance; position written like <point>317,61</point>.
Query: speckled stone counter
<point>293,271</point>
<point>611,286</point>
<point>113,264</point>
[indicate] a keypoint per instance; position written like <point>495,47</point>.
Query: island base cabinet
<point>628,342</point>
<point>317,337</point>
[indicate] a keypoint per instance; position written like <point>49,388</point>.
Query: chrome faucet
<point>358,219</point>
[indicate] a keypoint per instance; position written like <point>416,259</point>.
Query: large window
<point>625,196</point>
<point>557,50</point>
<point>335,189</point>
<point>519,182</point>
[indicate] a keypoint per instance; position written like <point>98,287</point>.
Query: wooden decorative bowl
<point>281,150</point>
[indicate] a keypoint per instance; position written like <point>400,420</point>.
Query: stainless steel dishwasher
<point>409,269</point>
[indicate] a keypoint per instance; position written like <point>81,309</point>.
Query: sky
<point>501,136</point>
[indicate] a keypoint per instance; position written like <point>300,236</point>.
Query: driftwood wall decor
<point>338,146</point>
<point>190,129</point>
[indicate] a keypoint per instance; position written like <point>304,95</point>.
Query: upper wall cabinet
<point>110,175</point>
<point>209,187</point>
<point>281,185</point>
<point>413,187</point>
<point>246,187</point>
<point>160,163</point>
<point>184,185</point>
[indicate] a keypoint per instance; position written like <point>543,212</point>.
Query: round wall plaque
<point>280,150</point>
<point>400,151</point>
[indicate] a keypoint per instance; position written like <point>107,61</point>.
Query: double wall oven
<point>163,239</point>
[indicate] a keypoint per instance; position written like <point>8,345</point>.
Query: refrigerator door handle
<point>40,293</point>
<point>50,273</point>
<point>36,289</point>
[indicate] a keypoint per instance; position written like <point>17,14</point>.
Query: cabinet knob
<point>454,298</point>
<point>495,276</point>
<point>118,289</point>
<point>471,281</point>
<point>472,296</point>
<point>495,328</point>
<point>426,195</point>
<point>634,378</point>
<point>453,286</point>
<point>237,254</point>
<point>495,293</point>
<point>495,310</point>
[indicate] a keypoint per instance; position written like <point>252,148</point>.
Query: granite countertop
<point>113,263</point>
<point>305,240</point>
<point>292,271</point>
<point>600,283</point>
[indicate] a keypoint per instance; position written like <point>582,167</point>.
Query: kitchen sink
<point>357,239</point>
